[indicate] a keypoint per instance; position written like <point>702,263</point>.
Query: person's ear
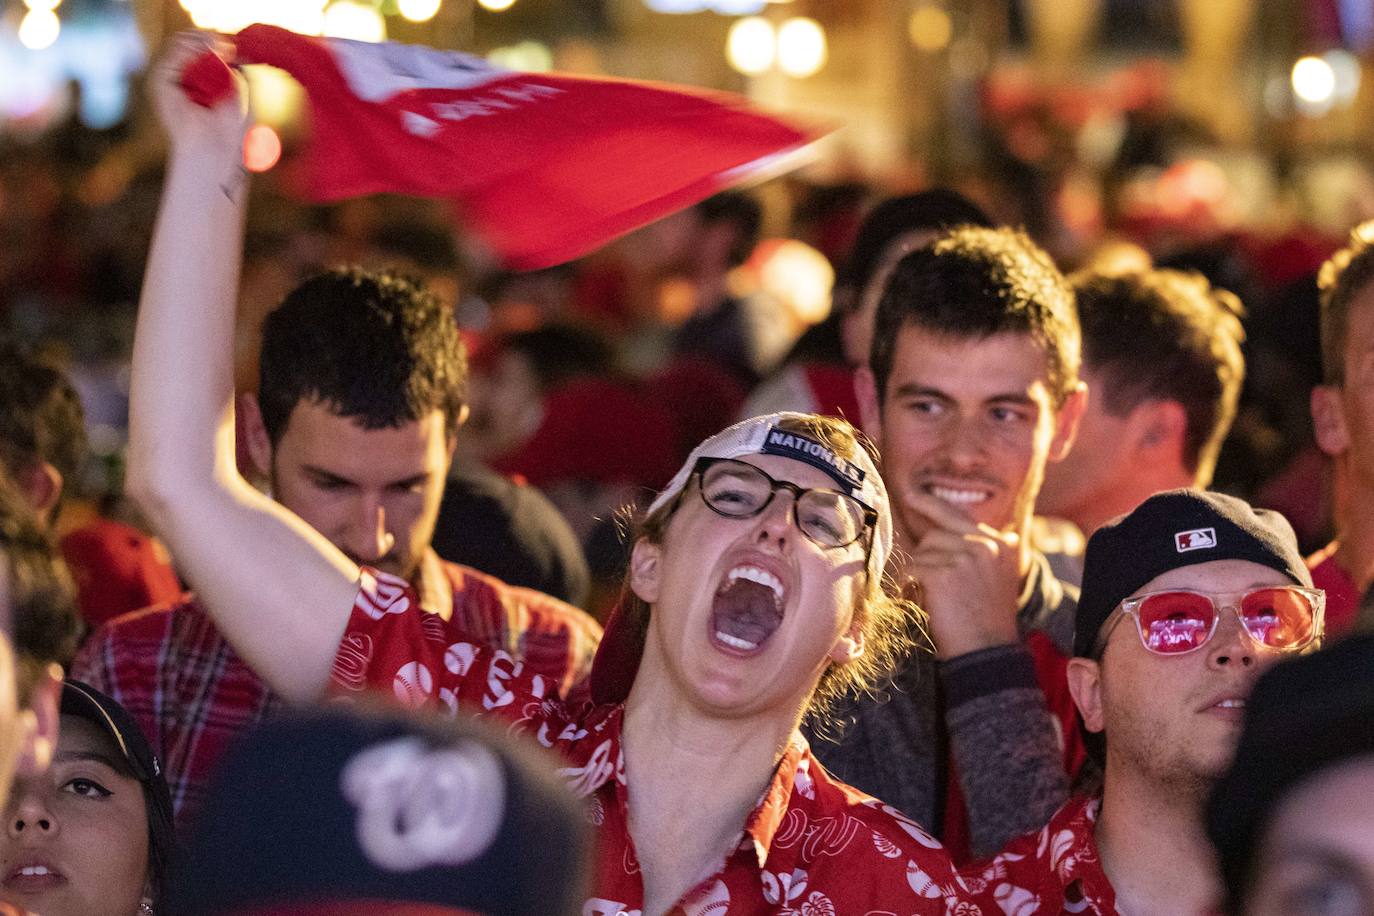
<point>1066,421</point>
<point>644,570</point>
<point>1328,420</point>
<point>1085,686</point>
<point>850,645</point>
<point>255,439</point>
<point>870,409</point>
<point>44,716</point>
<point>1160,429</point>
<point>42,485</point>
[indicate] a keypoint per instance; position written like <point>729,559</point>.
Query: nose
<point>30,817</point>
<point>963,442</point>
<point>1231,646</point>
<point>775,522</point>
<point>369,539</point>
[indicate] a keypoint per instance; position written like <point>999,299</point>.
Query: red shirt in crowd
<point>812,846</point>
<point>1056,870</point>
<point>1342,594</point>
<point>192,693</point>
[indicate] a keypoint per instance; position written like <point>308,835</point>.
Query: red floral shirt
<point>812,846</point>
<point>192,693</point>
<point>1056,870</point>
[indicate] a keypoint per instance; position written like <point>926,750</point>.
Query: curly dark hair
<point>41,419</point>
<point>374,346</point>
<point>41,616</point>
<point>974,282</point>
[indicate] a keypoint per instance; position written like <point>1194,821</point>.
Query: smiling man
<point>971,389</point>
<point>1185,602</point>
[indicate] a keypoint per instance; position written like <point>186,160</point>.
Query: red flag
<point>547,166</point>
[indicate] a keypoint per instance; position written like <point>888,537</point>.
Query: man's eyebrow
<point>1013,397</point>
<point>326,476</point>
<point>410,481</point>
<point>916,390</point>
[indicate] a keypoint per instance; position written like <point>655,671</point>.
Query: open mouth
<point>747,609</point>
<point>33,879</point>
<point>959,496</point>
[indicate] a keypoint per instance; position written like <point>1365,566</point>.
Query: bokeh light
<point>42,4</point>
<point>751,45</point>
<point>39,29</point>
<point>1345,67</point>
<point>930,28</point>
<point>529,56</point>
<point>1313,80</point>
<point>797,276</point>
<point>496,6</point>
<point>277,97</point>
<point>358,21</point>
<point>801,47</point>
<point>303,16</point>
<point>261,148</point>
<point>418,10</point>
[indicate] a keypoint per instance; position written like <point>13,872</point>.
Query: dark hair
<point>40,415</point>
<point>559,353</point>
<point>975,282</point>
<point>1166,334</point>
<point>741,210</point>
<point>1341,279</point>
<point>42,611</point>
<point>936,209</point>
<point>374,346</point>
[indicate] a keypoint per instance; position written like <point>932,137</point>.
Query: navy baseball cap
<point>345,812</point>
<point>1170,530</point>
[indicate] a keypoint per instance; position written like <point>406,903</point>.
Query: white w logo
<point>420,806</point>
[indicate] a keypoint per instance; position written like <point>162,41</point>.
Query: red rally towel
<point>546,166</point>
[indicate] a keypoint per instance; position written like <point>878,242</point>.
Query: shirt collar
<point>432,584</point>
<point>794,777</point>
<point>1074,856</point>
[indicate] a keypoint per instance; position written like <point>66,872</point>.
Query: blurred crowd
<point>1114,437</point>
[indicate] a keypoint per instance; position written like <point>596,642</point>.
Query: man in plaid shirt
<point>361,392</point>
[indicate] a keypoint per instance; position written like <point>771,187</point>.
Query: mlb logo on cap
<point>1197,539</point>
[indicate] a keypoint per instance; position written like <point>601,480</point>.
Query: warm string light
<point>418,10</point>
<point>39,29</point>
<point>797,47</point>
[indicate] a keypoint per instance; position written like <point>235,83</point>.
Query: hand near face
<point>970,578</point>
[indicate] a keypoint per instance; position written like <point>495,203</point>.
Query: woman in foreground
<point>754,591</point>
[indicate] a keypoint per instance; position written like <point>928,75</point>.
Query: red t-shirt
<point>1342,594</point>
<point>812,845</point>
<point>1055,870</point>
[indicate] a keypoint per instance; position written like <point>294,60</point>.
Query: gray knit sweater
<point>985,709</point>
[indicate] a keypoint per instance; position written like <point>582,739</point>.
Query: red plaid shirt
<point>192,693</point>
<point>812,846</point>
<point>1056,870</point>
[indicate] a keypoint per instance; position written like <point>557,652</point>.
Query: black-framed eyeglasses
<point>738,489</point>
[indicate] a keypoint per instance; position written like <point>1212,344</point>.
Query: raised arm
<point>278,590</point>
